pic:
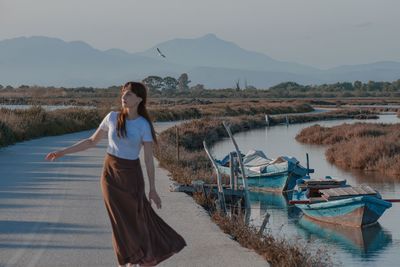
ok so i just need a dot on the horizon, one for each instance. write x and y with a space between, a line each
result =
322 35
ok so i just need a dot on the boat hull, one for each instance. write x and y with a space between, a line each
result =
278 178
274 183
356 211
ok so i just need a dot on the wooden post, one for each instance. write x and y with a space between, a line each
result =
232 167
267 119
236 174
244 179
264 223
221 197
308 164
177 142
287 120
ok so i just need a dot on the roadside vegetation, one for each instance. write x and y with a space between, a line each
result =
364 146
193 164
21 125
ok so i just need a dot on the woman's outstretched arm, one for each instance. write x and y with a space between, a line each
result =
80 146
149 161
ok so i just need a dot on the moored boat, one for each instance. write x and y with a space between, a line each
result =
333 201
267 174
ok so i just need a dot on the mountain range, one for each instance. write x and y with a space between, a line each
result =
207 60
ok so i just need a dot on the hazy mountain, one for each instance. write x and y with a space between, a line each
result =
208 60
50 61
210 51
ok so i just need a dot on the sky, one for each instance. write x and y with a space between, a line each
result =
319 33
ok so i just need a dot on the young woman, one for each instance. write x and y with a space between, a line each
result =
140 236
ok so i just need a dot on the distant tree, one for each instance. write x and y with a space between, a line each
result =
396 84
170 83
286 86
346 86
237 85
1 87
183 82
357 85
154 82
251 88
372 86
198 87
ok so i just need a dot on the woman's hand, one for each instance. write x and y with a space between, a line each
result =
54 155
156 199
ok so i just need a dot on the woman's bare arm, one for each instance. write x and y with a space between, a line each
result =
80 146
149 161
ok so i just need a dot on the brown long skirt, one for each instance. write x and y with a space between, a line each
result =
140 236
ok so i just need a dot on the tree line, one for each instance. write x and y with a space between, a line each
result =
172 87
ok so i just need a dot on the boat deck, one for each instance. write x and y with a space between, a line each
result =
343 192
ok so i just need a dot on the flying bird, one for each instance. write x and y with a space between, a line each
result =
159 52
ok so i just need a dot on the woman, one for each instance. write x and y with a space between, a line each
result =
139 235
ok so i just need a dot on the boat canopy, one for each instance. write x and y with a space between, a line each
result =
256 158
256 163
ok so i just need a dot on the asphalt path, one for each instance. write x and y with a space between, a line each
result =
53 214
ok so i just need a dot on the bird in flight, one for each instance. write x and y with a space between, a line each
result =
159 52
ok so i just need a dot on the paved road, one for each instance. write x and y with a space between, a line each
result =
52 213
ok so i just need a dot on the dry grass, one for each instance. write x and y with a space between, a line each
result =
21 125
277 251
173 111
371 147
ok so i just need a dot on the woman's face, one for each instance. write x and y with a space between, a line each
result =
130 99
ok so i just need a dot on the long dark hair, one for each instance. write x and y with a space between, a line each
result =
140 90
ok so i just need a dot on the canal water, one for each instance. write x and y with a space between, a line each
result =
370 246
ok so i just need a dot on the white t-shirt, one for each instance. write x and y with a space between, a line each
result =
138 130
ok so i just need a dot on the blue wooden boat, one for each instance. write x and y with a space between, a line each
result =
333 201
267 174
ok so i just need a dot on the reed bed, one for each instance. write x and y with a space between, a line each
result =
168 112
369 147
21 125
193 164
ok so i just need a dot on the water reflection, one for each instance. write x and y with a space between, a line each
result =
365 242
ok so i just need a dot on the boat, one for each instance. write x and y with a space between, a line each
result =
333 201
265 174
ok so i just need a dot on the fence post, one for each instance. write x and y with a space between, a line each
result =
177 142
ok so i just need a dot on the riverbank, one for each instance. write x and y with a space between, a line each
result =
21 125
194 110
368 147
